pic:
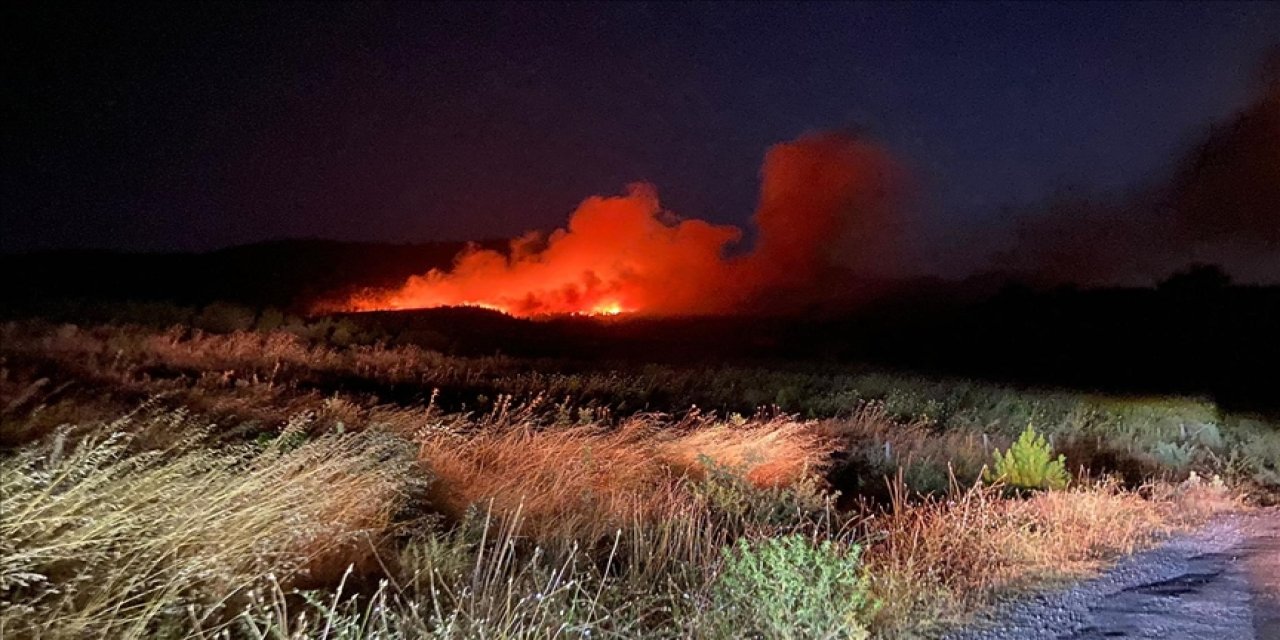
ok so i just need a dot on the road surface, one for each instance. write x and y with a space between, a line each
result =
1221 582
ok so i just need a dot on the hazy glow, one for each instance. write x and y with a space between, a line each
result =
820 196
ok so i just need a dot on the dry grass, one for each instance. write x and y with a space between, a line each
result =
585 481
938 560
107 543
101 542
778 452
928 459
242 355
559 520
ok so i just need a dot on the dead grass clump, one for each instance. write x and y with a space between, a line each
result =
939 559
773 453
585 481
1196 499
560 479
241 349
878 445
100 542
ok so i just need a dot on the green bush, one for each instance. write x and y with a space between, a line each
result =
271 319
926 476
740 506
1174 455
787 587
1029 464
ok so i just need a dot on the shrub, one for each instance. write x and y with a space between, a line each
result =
740 505
1174 455
787 587
271 319
1029 464
221 317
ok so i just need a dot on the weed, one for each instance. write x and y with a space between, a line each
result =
787 587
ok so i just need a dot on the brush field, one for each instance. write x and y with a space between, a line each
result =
289 482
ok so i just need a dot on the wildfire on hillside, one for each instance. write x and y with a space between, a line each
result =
822 197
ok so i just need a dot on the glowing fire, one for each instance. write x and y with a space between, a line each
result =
606 309
627 255
602 309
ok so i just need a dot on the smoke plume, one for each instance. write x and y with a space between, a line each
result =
1221 205
829 202
831 216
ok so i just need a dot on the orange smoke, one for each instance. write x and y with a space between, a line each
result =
821 195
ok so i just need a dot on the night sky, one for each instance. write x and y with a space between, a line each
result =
180 126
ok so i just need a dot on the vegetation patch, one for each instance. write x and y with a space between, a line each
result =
184 484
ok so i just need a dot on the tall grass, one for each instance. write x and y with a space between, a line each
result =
584 482
98 541
240 373
269 487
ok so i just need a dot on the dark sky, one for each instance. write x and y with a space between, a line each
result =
183 126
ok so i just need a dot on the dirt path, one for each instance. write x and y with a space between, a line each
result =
1219 583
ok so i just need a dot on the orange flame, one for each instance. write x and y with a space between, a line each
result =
626 255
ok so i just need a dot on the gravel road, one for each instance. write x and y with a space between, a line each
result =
1221 582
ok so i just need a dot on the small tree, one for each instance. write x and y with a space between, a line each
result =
1029 464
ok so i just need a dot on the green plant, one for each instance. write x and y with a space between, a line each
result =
926 476
788 587
728 495
1029 464
1174 455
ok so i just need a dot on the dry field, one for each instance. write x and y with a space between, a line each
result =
267 485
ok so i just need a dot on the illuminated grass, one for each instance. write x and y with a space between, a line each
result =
249 471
